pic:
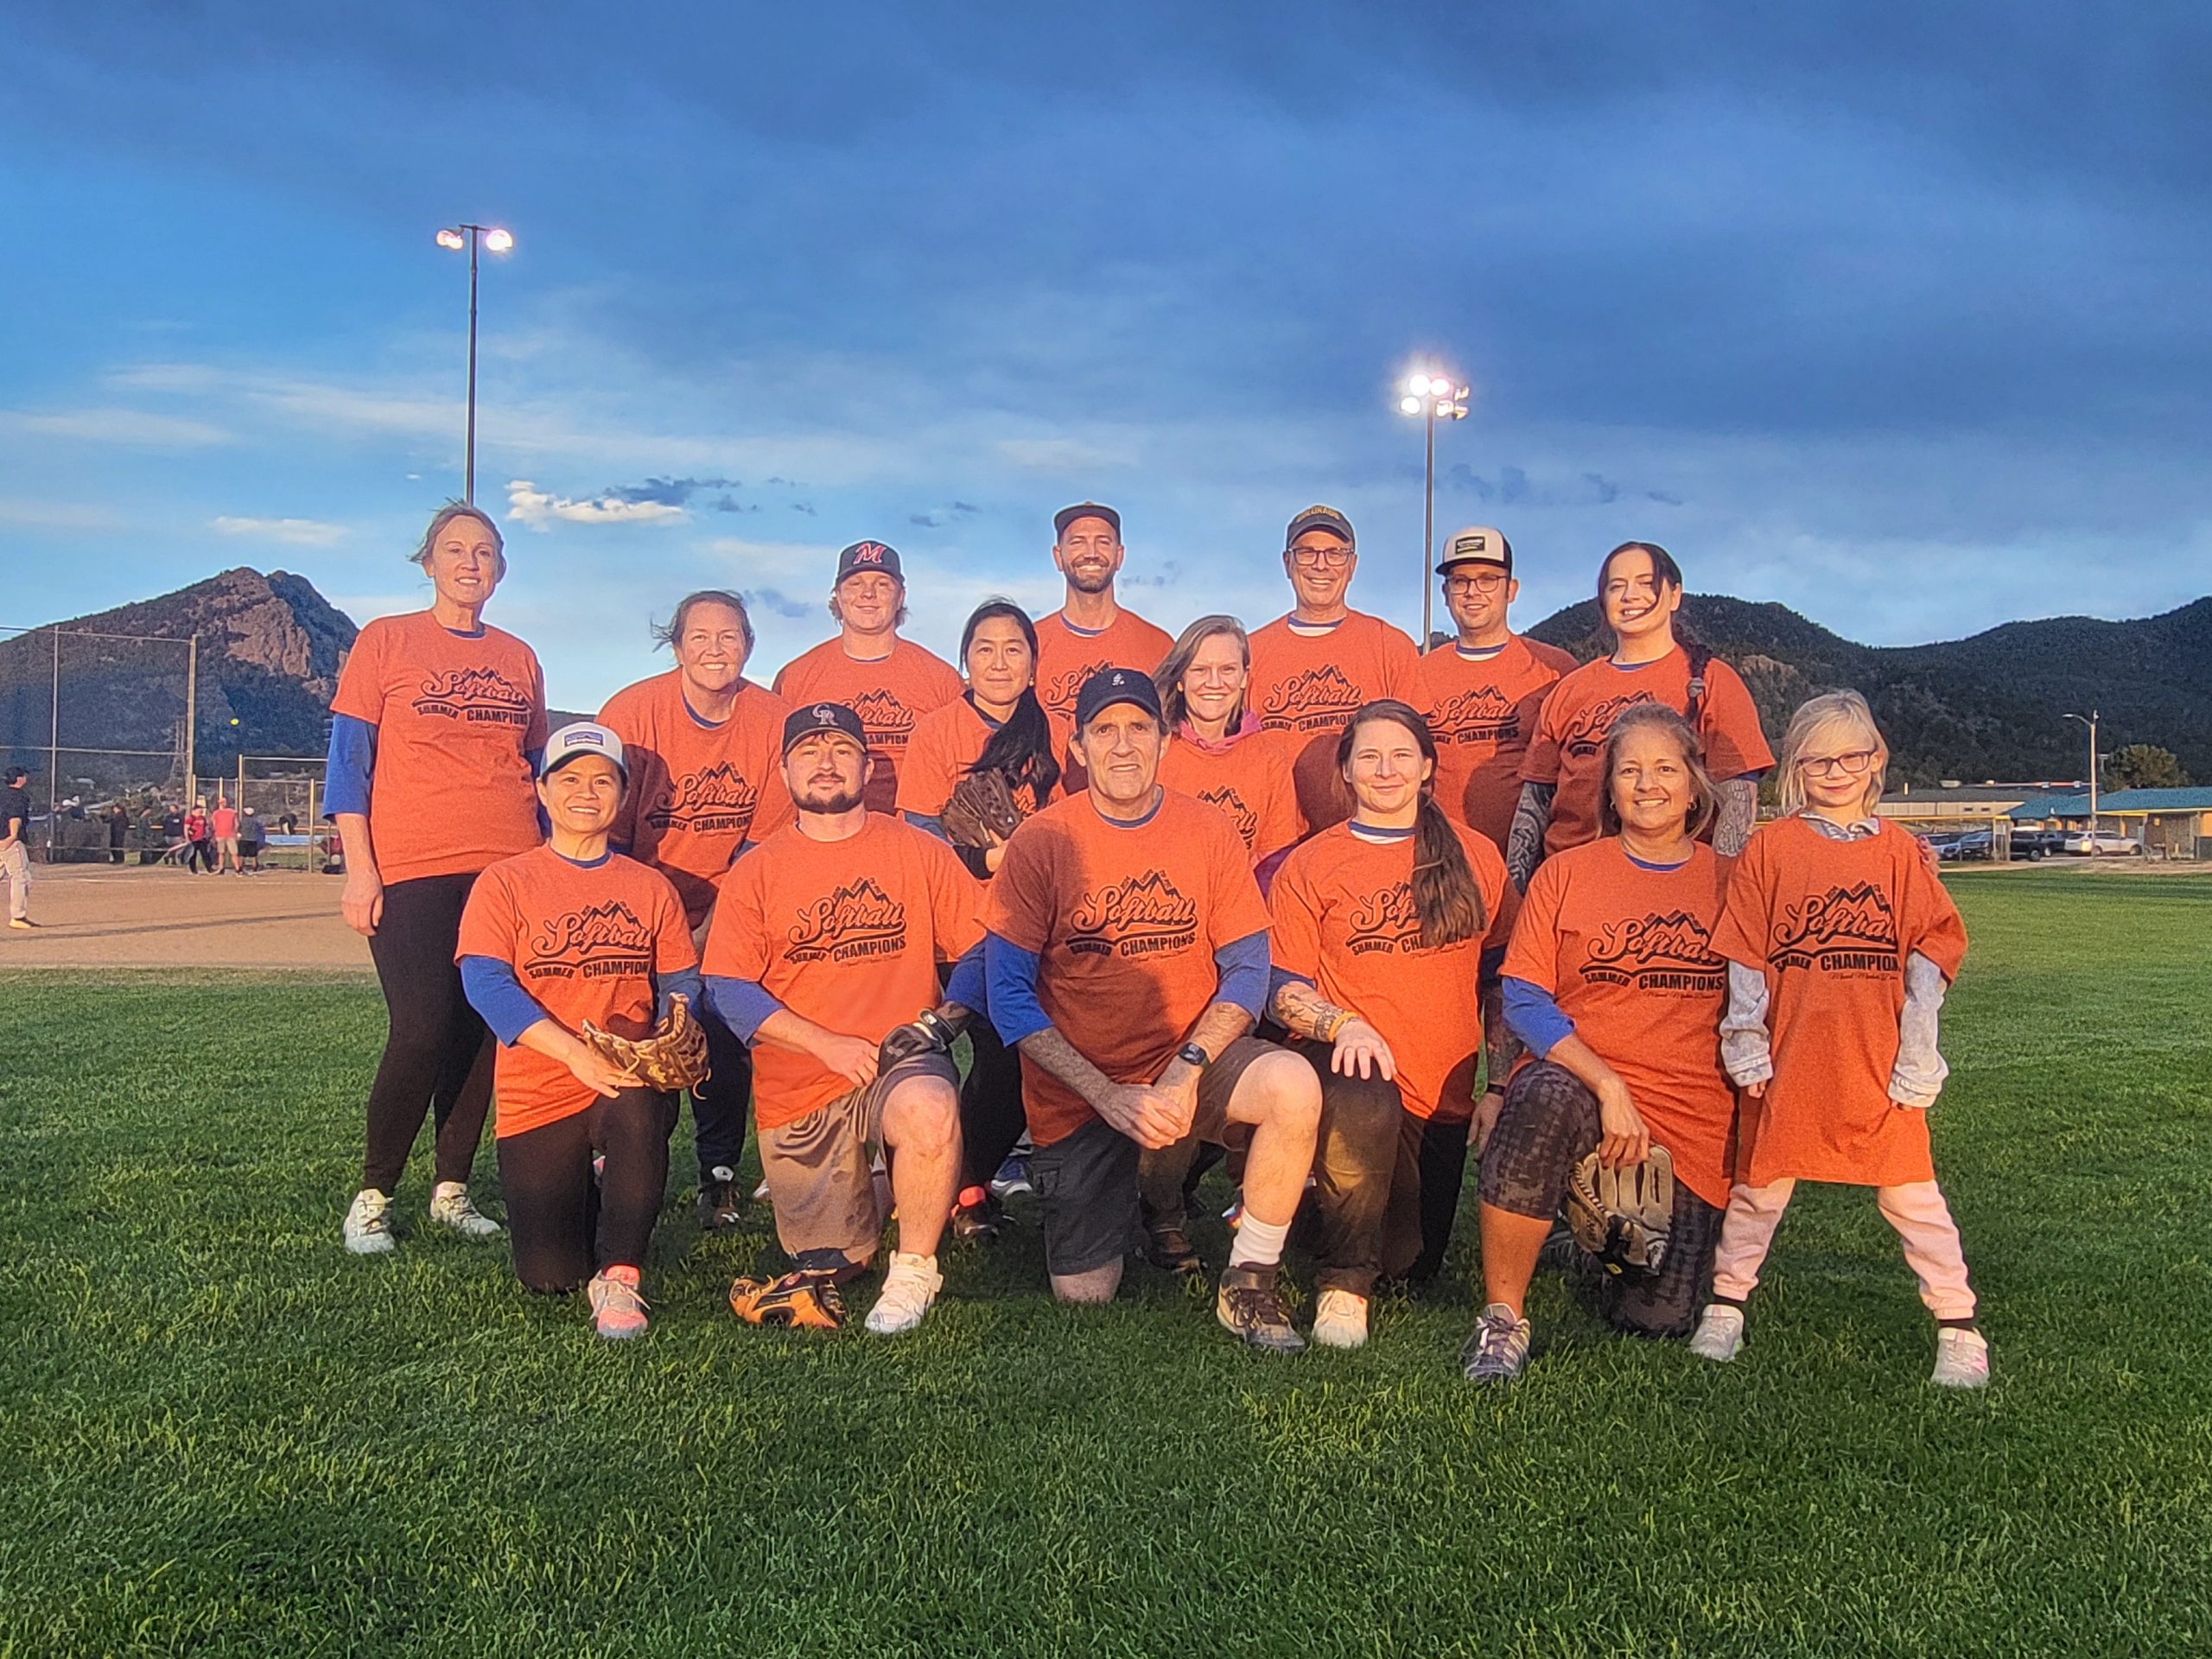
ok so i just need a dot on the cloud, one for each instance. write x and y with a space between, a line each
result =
131 428
669 491
292 532
528 505
779 604
55 515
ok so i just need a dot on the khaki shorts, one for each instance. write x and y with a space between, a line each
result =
821 1169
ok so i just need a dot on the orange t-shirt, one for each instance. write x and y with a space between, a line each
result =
845 933
1344 921
697 791
1627 954
1249 780
1569 749
1067 656
457 716
890 695
947 742
1832 922
586 942
1309 684
1125 920
1483 712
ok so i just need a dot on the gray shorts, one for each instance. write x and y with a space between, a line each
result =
820 1171
1087 1182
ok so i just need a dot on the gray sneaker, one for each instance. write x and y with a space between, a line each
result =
1498 1350
1248 1304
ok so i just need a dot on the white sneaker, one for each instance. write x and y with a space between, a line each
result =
909 1288
450 1207
368 1224
1961 1359
1340 1319
1719 1334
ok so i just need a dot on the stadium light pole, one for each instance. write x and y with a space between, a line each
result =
2090 721
1434 397
457 237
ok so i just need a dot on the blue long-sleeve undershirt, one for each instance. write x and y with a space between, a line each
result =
740 1004
495 992
1534 1015
969 984
352 761
1010 973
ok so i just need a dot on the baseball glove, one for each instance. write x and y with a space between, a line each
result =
1621 1216
981 812
674 1057
927 1033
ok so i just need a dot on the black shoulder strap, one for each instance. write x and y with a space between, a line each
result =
1700 659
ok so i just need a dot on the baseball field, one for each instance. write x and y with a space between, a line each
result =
219 1434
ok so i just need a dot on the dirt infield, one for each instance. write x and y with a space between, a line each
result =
91 917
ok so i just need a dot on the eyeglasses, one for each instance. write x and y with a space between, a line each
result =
1489 584
1853 765
1333 558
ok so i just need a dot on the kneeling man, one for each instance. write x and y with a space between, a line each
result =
1128 957
823 955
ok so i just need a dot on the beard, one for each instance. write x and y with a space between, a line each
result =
1090 581
830 803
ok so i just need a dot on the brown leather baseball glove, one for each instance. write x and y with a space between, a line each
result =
674 1057
981 812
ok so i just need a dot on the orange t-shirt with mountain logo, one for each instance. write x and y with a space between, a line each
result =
846 933
1344 921
890 695
586 942
697 791
1124 920
1067 656
1482 714
457 718
1831 923
1307 685
947 742
1627 953
1569 748
1250 781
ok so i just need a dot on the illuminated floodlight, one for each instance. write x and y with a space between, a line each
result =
452 239
498 241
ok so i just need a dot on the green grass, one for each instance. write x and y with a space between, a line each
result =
220 1434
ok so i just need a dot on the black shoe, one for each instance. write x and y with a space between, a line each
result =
1248 1304
976 1222
721 1200
1170 1248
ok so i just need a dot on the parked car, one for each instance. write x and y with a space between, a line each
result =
1975 843
2102 843
2035 845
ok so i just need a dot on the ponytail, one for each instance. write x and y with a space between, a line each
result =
1447 898
1022 748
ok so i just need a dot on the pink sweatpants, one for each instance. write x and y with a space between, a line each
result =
1916 1209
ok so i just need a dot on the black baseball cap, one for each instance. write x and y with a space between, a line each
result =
1067 516
1326 518
809 718
1477 544
1111 685
869 555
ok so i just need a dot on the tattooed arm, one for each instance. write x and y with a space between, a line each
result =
1740 815
1524 845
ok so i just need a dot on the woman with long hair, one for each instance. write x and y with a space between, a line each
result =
434 735
1217 751
1613 985
996 725
1383 928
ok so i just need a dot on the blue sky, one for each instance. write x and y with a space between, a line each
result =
1893 313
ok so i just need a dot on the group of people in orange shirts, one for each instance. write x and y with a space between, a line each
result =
1306 897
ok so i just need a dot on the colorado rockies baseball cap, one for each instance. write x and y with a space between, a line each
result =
1111 685
1477 544
869 555
1317 518
1067 516
809 718
585 737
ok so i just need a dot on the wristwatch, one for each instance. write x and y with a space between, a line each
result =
1191 1054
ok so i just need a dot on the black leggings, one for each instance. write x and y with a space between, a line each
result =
991 1116
718 1104
1548 1124
1386 1185
565 1224
437 1054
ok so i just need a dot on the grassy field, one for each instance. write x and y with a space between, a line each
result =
220 1434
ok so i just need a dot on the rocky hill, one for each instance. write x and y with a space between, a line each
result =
270 647
1988 707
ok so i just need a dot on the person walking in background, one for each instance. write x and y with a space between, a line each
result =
889 682
251 838
119 830
16 846
223 825
435 736
199 840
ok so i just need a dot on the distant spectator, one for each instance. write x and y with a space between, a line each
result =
198 839
224 821
252 835
288 822
16 846
118 832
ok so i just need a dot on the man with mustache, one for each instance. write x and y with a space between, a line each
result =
1312 668
1127 958
825 941
1090 631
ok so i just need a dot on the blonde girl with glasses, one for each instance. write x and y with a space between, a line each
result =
1840 945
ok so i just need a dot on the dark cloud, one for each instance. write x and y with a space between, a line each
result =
731 504
767 599
670 491
1511 486
926 520
806 507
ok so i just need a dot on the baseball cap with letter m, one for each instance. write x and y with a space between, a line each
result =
869 555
